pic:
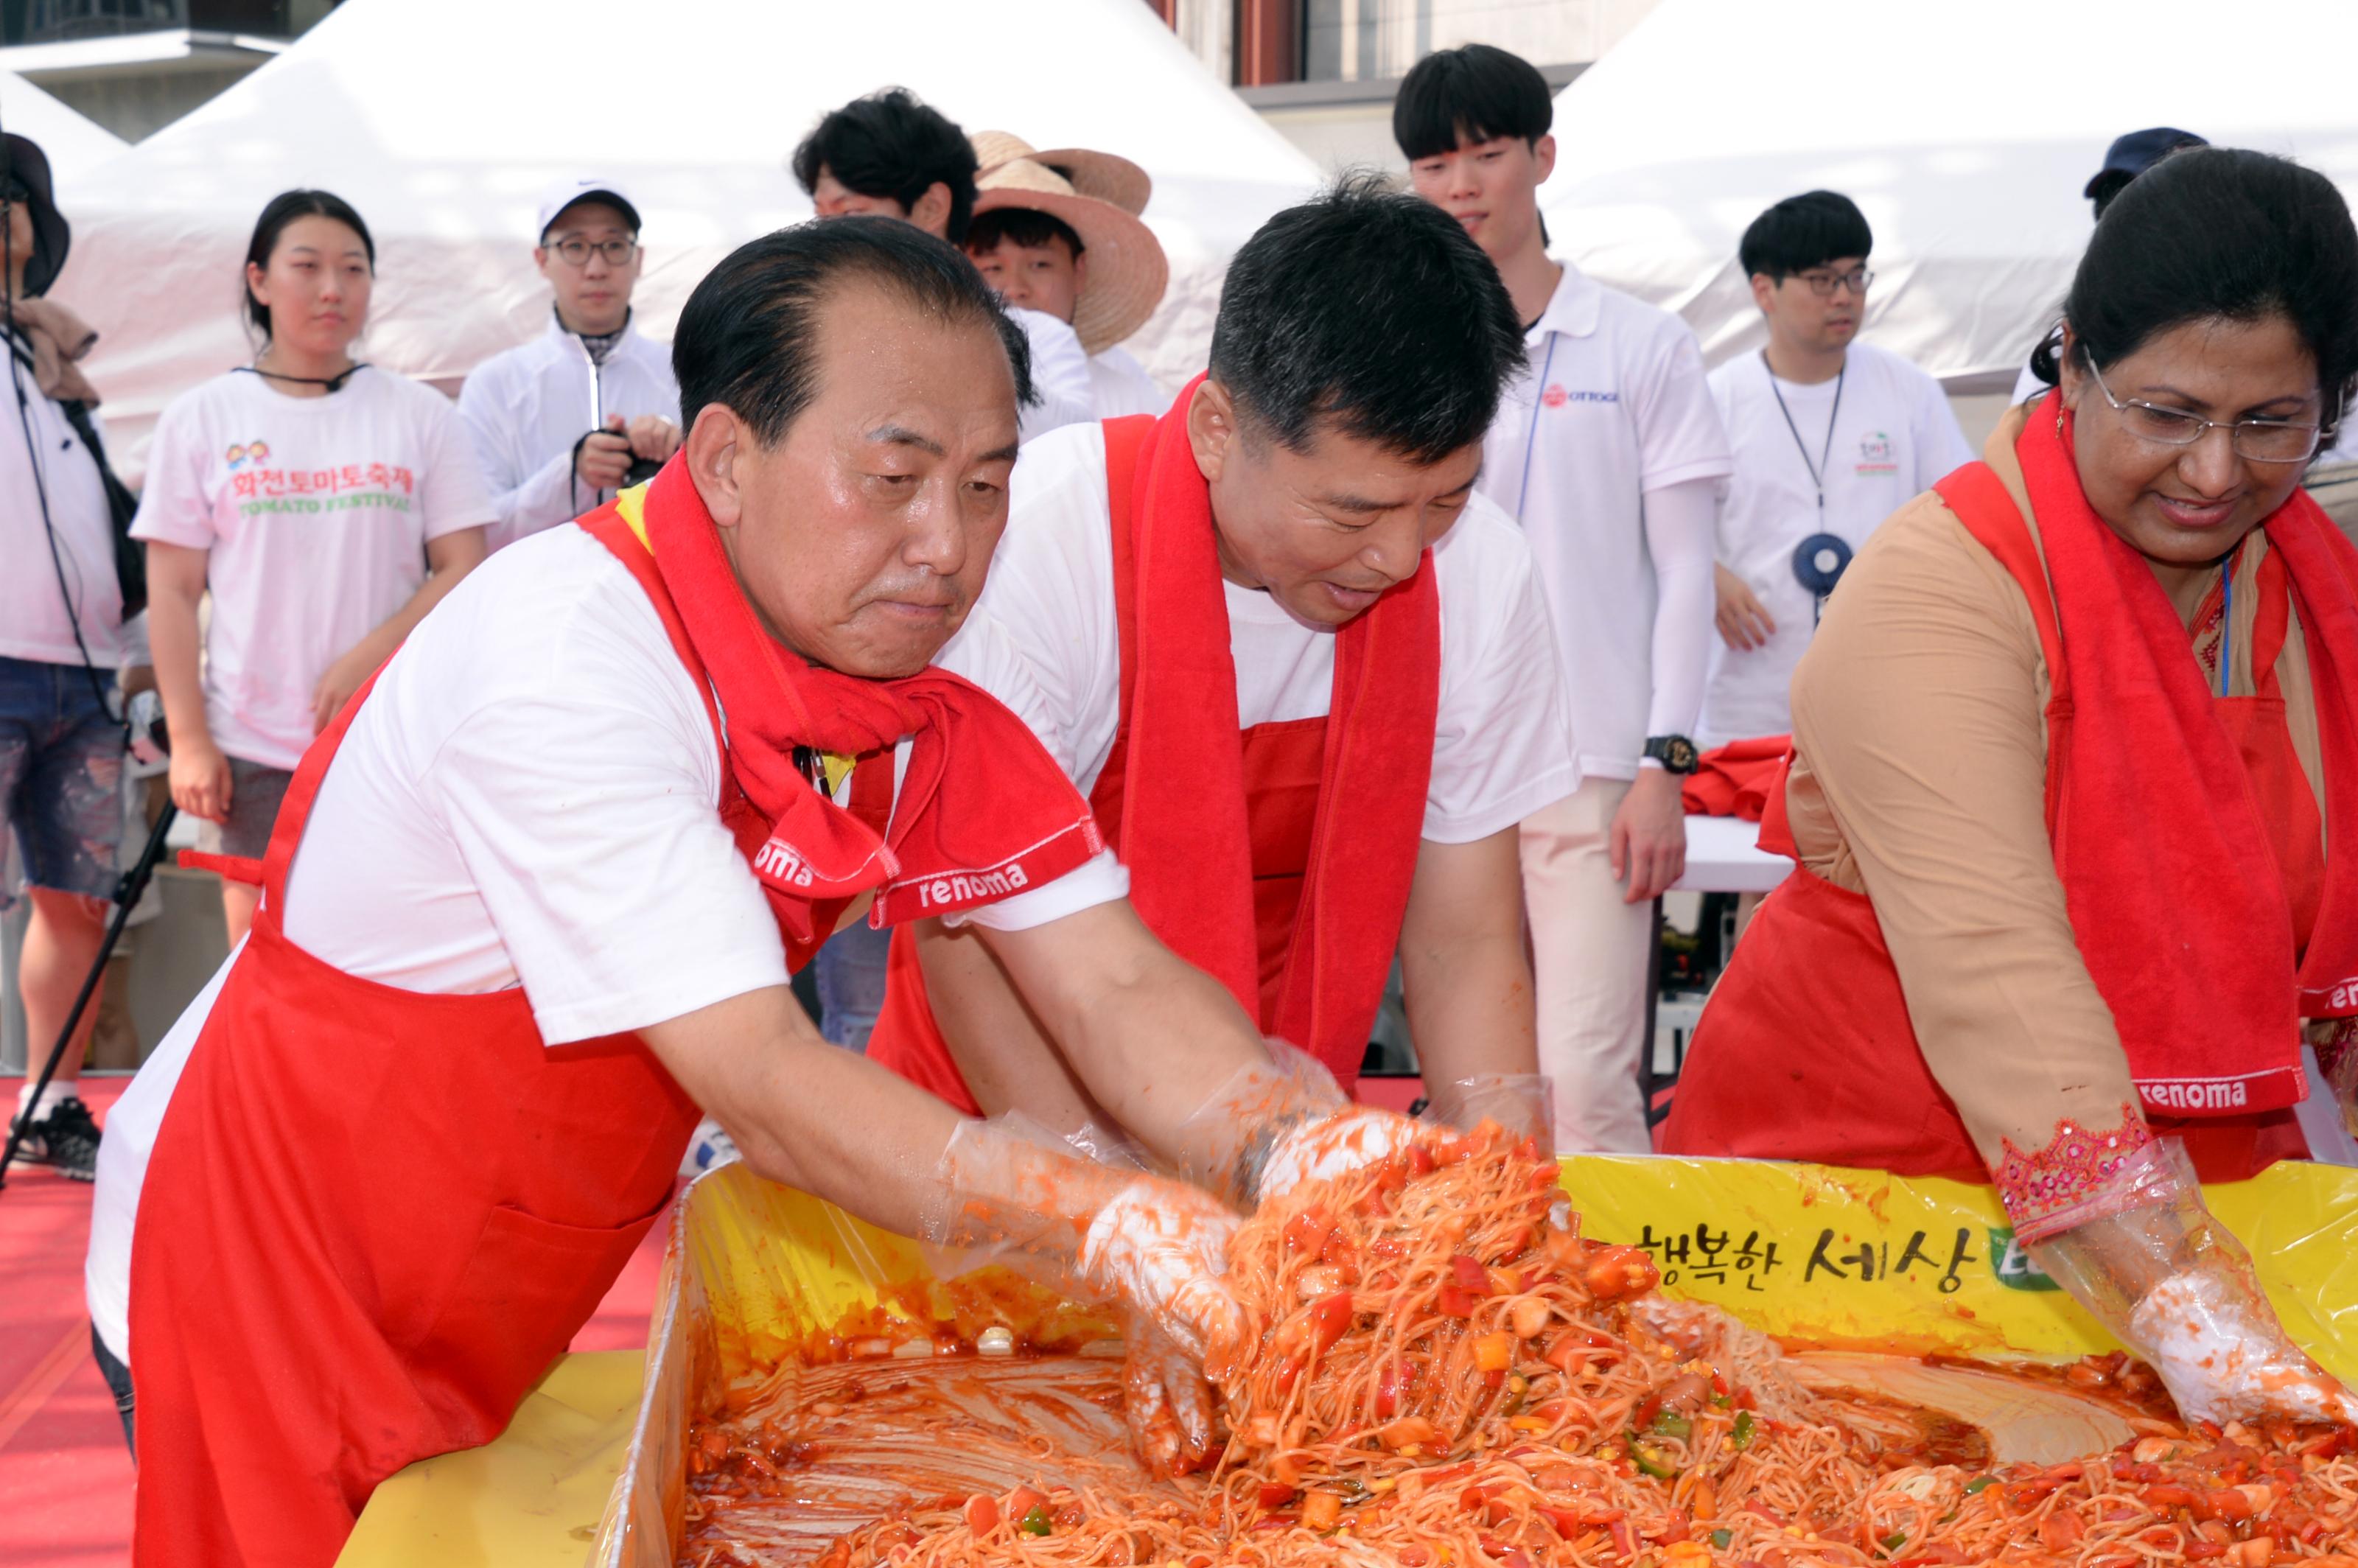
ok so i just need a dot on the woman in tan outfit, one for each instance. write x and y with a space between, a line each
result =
2074 781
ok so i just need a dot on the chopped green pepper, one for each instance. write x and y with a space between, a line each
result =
1036 1521
1653 1462
1723 1400
1980 1484
1720 1538
1895 1540
1670 1423
1740 1435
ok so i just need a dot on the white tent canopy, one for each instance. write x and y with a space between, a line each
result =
441 121
1964 131
75 144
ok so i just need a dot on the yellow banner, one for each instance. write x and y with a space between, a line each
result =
1920 1264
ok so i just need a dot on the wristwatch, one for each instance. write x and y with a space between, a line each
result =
1675 752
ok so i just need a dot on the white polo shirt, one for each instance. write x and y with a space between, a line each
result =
1613 404
1500 749
525 408
1890 437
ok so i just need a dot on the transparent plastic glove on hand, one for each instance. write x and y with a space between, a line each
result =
1167 1402
1522 1103
1161 1248
2149 1260
1333 1146
2223 1357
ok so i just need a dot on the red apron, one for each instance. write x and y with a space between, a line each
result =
1315 980
408 1205
1807 1051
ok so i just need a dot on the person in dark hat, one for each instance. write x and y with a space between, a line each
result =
66 636
2131 154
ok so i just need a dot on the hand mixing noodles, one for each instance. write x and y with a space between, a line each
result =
1441 1375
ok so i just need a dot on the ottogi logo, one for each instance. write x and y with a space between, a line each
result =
1557 395
781 862
2195 1095
968 886
2012 1266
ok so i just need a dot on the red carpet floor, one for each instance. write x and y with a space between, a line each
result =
65 1478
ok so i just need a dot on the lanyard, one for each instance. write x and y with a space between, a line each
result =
1818 470
1531 440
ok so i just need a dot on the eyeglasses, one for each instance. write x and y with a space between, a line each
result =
1824 284
576 252
2256 441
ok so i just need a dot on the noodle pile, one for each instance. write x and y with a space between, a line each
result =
1441 1373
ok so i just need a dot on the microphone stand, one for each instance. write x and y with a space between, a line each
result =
128 894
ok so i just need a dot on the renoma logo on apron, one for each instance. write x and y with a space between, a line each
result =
781 862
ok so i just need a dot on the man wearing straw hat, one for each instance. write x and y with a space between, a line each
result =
1058 232
1303 672
890 155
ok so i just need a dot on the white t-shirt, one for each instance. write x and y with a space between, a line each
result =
1060 375
316 513
1501 749
530 796
525 408
1892 437
35 620
1613 404
1122 386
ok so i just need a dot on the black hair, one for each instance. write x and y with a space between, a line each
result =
1473 94
2218 233
2106 187
748 337
893 145
283 209
1024 225
1802 232
1371 308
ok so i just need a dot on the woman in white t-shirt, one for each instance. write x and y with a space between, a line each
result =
327 505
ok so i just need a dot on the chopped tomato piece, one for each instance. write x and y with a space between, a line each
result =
1468 1274
1330 1319
1454 1303
1275 1496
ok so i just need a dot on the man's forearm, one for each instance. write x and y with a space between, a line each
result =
1469 1008
1153 1039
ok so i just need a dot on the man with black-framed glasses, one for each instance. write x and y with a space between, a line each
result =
559 423
1830 436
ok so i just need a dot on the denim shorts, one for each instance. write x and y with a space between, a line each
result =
61 756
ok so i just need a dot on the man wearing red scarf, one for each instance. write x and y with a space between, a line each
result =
534 898
1304 673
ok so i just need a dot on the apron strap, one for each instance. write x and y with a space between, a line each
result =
1978 499
294 810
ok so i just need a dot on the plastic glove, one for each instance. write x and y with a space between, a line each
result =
1156 1249
1522 1103
1279 1123
2149 1260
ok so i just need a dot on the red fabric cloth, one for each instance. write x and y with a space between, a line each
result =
2168 809
1277 858
982 811
1734 780
371 1219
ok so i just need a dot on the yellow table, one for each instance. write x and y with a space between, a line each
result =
529 1498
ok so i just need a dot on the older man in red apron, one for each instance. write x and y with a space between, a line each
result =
569 842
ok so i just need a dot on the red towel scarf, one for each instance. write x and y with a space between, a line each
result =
982 811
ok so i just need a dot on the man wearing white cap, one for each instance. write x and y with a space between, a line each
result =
559 423
1058 232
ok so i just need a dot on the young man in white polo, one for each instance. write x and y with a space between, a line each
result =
1831 435
558 422
1059 232
1608 451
